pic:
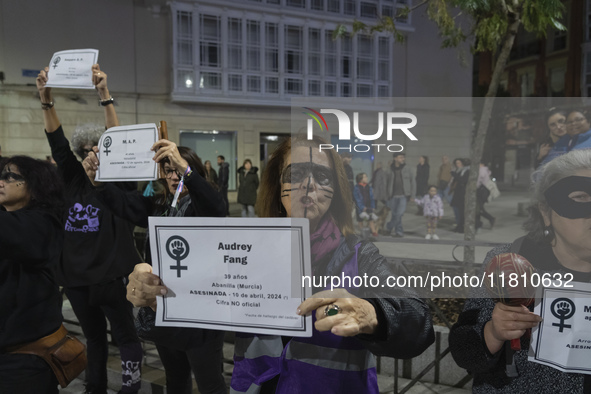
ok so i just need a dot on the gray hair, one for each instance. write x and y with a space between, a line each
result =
561 167
86 134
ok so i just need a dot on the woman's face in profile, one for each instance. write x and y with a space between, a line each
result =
575 234
14 193
576 123
307 184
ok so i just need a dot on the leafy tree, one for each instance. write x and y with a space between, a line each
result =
493 27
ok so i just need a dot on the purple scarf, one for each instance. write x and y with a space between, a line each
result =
324 240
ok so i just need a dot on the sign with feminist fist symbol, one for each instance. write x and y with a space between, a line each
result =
562 309
107 143
501 272
178 249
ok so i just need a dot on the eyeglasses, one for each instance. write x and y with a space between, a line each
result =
168 173
10 177
577 120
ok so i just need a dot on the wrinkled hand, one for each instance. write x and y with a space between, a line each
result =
99 79
44 92
91 164
168 149
356 316
507 323
144 286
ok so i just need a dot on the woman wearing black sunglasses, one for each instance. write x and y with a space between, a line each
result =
31 238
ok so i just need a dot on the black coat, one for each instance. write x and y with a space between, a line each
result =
249 183
31 241
422 179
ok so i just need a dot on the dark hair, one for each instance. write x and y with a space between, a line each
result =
396 154
359 177
222 157
247 161
553 111
194 162
269 204
426 159
42 181
582 111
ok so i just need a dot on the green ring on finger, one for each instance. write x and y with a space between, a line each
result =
332 310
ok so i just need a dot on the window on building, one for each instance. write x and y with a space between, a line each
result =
272 47
350 7
314 88
293 86
333 6
330 54
185 39
557 81
346 58
235 44
365 59
330 89
210 41
527 84
253 83
253 45
314 51
368 10
296 3
235 82
272 85
293 49
274 57
317 5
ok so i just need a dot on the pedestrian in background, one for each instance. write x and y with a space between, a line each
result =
247 191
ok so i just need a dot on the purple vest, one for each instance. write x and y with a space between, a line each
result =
324 363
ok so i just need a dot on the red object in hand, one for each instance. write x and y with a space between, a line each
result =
499 272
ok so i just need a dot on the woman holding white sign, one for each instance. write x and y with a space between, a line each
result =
186 193
559 248
351 324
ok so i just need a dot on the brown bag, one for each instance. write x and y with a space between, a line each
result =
64 353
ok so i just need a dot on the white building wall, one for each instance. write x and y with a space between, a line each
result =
135 45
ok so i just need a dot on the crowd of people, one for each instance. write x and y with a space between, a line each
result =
59 227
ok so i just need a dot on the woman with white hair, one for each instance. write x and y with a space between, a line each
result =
558 241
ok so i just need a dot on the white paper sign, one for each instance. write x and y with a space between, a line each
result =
125 155
72 69
232 274
563 339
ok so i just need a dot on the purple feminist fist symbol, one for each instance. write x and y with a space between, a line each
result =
178 249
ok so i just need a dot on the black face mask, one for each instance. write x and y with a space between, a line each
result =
558 198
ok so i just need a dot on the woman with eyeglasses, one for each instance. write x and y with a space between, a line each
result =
578 135
31 239
186 193
351 324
